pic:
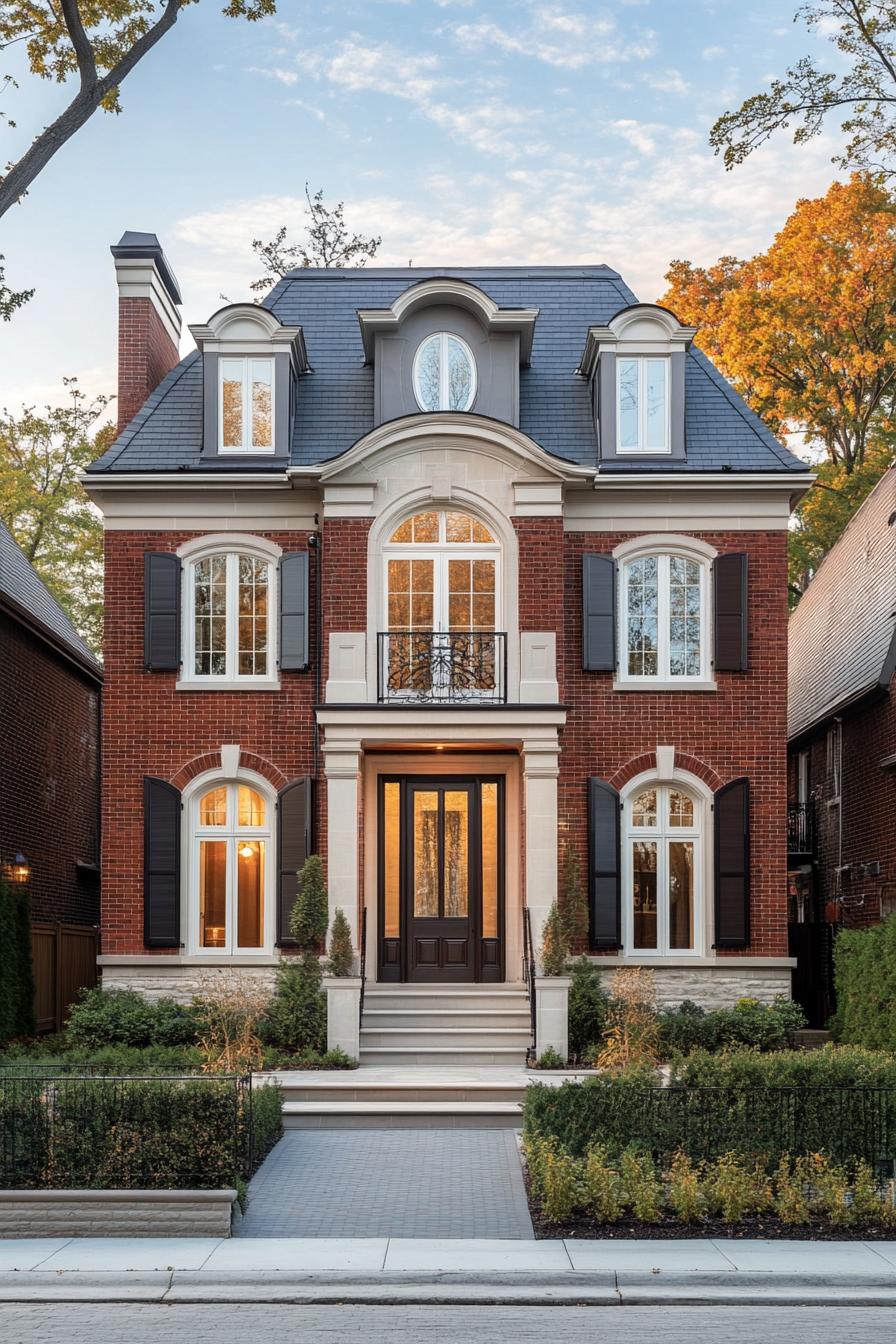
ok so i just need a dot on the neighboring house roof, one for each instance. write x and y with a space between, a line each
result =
26 597
842 636
335 402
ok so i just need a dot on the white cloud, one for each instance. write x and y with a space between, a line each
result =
670 81
558 38
712 53
288 77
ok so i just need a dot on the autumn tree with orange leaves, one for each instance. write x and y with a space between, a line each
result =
806 332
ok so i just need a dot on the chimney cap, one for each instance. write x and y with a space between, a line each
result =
138 245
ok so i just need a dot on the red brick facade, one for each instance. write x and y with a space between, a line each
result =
146 353
50 781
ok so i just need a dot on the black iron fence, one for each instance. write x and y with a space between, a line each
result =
442 667
59 1129
801 828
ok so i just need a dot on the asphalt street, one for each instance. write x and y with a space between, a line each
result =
112 1323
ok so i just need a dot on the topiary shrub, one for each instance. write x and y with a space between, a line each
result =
573 902
16 974
342 954
865 979
310 914
123 1017
554 947
588 1004
296 1016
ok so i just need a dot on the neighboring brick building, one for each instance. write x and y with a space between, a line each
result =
842 742
50 687
435 573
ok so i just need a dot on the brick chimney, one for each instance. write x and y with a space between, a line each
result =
148 320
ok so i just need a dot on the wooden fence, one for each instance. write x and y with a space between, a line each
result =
64 961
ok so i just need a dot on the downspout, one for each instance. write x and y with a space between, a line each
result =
315 543
839 723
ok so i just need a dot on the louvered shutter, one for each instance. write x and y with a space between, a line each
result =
161 863
732 864
598 613
603 864
294 611
294 841
729 574
161 611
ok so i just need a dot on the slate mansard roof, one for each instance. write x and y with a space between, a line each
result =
335 400
842 636
28 599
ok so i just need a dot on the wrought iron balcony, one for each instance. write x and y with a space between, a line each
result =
801 829
442 667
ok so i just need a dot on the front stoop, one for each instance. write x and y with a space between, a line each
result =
445 1025
405 1098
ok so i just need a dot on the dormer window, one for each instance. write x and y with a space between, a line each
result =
642 405
444 373
246 405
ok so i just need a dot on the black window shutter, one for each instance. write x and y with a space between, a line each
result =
161 611
732 864
294 611
161 863
598 613
293 848
603 864
729 574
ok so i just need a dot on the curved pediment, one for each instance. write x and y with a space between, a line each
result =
447 291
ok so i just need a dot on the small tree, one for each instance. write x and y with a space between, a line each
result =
327 244
296 1017
554 947
310 914
572 895
342 954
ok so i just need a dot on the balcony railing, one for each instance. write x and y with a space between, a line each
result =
442 667
801 832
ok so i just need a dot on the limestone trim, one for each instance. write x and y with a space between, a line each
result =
451 291
138 278
665 541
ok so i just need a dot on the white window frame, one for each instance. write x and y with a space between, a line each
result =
444 337
231 833
247 446
663 679
439 552
641 446
698 834
231 679
834 766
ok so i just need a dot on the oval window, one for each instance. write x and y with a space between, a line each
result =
444 374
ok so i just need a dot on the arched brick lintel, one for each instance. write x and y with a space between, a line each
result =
638 765
211 760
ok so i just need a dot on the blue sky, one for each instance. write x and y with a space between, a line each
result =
463 131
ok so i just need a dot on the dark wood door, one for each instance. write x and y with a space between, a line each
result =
442 880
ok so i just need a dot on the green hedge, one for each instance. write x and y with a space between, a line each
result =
865 978
103 1133
16 972
122 1017
762 1106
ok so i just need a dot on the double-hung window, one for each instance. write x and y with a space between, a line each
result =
246 405
230 626
642 405
663 635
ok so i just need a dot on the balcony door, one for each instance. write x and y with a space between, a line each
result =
440 860
441 581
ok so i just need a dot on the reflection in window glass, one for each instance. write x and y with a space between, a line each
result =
460 376
262 404
428 375
627 370
444 374
644 890
230 616
391 858
663 617
681 894
662 893
426 854
210 616
252 602
489 808
643 617
457 854
232 403
655 404
250 808
644 809
213 808
213 893
681 809
250 893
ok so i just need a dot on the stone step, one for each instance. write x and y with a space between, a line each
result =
379 1018
402 1115
354 1087
446 1037
445 998
424 1056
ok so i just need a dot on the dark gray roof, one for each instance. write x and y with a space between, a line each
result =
29 599
335 401
842 637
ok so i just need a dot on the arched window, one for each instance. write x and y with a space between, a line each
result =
231 835
444 373
229 625
663 619
442 589
663 870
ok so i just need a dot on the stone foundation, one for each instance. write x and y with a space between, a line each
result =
116 1213
719 985
182 982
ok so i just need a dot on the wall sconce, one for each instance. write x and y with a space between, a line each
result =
18 869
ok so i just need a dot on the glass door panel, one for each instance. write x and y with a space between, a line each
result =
456 862
489 860
426 855
250 893
213 893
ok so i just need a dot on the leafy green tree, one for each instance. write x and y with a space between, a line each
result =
43 503
96 42
864 33
10 299
327 243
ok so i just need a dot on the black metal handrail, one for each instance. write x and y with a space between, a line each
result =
529 980
801 828
363 967
442 667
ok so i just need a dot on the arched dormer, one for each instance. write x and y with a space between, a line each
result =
444 345
636 367
250 363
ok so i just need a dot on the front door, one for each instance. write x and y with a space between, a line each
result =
440 876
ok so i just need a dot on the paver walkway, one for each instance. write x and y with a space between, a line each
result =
390 1183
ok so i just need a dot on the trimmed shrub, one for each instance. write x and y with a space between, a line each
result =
865 979
587 1010
16 973
342 954
296 1016
749 1023
310 914
267 1122
550 1059
121 1059
554 947
119 1017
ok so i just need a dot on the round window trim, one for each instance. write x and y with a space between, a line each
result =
443 338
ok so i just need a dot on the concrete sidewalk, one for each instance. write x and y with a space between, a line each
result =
384 1270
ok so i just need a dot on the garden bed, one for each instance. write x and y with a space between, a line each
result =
761 1227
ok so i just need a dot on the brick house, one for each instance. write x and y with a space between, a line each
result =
842 743
435 572
50 688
